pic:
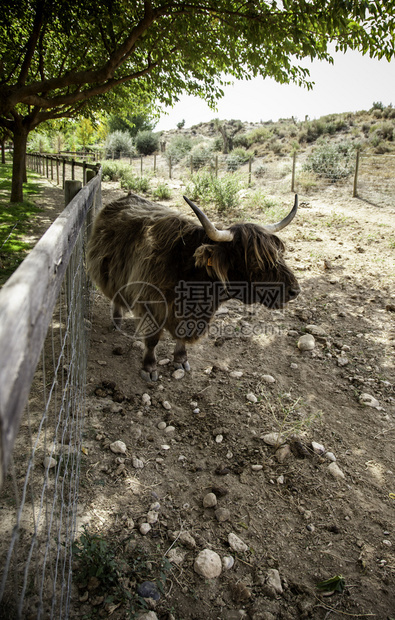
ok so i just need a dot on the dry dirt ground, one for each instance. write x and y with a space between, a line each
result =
301 522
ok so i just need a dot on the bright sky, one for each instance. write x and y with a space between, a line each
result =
353 83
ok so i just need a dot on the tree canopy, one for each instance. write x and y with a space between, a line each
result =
63 59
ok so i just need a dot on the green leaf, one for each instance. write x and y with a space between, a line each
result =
334 584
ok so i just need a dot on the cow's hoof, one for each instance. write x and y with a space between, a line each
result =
149 376
184 366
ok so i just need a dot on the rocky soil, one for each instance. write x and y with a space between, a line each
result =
269 468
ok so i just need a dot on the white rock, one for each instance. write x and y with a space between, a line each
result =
170 429
209 500
166 404
330 456
236 543
164 362
147 615
176 556
273 580
268 379
178 374
343 361
256 467
219 438
306 342
294 366
252 398
335 470
155 506
318 448
208 564
162 425
273 439
137 463
49 462
370 401
118 447
227 562
144 528
236 374
280 479
165 446
152 516
316 330
146 399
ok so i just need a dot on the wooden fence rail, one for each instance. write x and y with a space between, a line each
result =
55 167
27 301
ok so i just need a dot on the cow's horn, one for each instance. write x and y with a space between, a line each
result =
210 230
276 227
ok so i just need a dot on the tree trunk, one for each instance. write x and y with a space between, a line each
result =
19 164
3 151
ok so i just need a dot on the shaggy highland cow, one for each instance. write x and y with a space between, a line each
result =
173 273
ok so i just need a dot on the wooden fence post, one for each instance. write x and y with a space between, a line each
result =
63 172
216 165
249 170
169 167
355 188
71 188
141 166
154 163
293 172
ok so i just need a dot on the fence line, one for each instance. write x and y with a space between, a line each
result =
366 175
44 331
57 167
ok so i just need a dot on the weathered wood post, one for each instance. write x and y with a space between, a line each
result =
154 163
355 188
169 167
293 172
63 172
71 189
57 170
216 165
90 174
249 170
141 166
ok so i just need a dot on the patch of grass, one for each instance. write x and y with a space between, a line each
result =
15 221
223 191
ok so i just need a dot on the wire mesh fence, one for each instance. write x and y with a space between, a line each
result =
47 349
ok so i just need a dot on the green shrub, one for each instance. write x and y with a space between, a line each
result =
259 135
147 142
238 157
162 192
119 142
333 161
114 170
202 155
178 148
223 192
135 183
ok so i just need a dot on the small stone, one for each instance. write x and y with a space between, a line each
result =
144 528
387 543
273 439
330 456
164 362
294 366
166 405
162 425
268 379
236 374
335 470
252 398
146 399
152 517
369 401
209 500
343 361
219 438
236 543
178 374
318 448
208 564
280 479
273 580
187 540
148 589
137 463
227 562
170 429
165 446
256 467
148 615
222 515
316 330
283 453
176 556
49 462
118 447
306 342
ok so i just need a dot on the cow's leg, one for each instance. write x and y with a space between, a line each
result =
117 315
149 371
180 355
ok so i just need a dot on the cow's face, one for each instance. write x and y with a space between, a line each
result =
254 262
